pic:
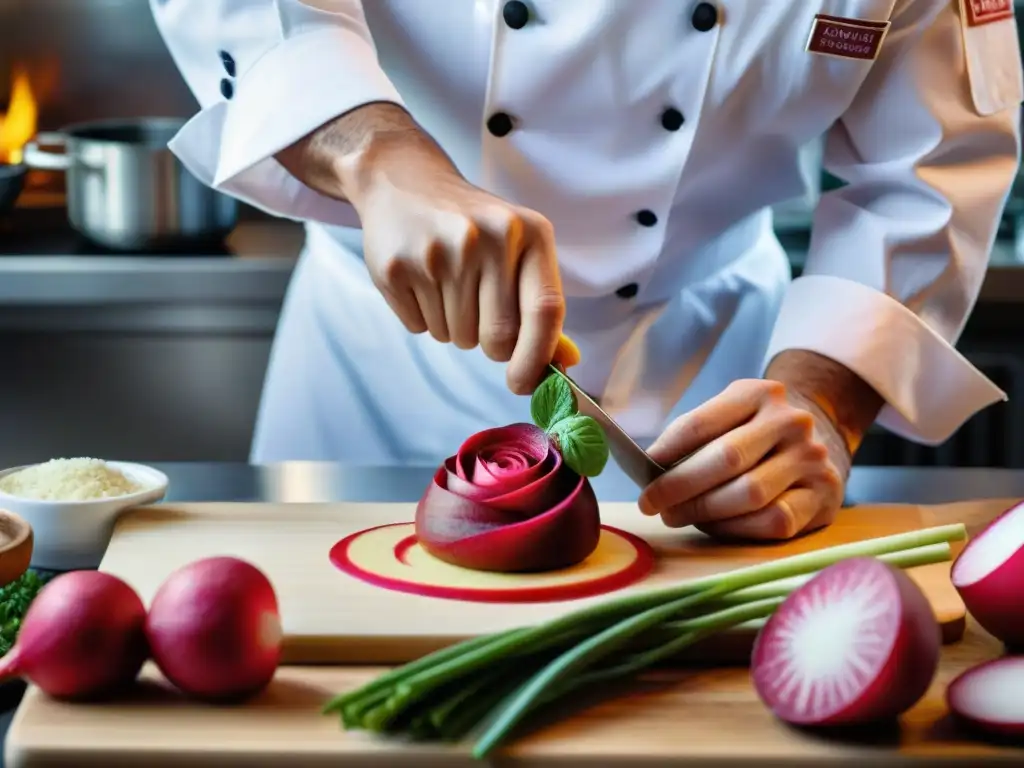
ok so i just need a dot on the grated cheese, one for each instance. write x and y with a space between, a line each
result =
69 480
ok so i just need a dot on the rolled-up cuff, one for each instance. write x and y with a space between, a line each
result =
930 389
297 86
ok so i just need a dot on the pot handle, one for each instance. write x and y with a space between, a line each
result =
44 160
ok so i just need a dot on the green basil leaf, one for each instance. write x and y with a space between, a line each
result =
552 401
583 444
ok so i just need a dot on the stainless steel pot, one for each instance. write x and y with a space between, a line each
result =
126 191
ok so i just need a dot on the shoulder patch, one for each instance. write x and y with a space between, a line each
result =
977 13
993 55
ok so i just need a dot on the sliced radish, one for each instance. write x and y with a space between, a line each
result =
857 643
989 575
991 696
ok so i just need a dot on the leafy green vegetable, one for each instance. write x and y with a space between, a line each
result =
552 401
15 599
581 440
495 681
582 443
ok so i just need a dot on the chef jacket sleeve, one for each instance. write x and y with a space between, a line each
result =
929 150
297 65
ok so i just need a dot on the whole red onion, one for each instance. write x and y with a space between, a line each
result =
507 502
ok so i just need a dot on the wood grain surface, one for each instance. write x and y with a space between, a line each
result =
330 617
700 717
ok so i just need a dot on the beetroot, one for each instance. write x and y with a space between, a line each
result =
82 638
214 629
988 697
507 502
989 575
858 643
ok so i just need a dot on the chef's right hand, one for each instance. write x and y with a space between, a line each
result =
450 258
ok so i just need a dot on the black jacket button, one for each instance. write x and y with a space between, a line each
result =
227 90
672 119
646 218
499 124
704 18
229 63
628 291
516 14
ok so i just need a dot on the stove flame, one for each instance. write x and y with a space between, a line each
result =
18 124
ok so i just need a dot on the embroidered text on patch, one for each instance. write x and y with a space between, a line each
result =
980 12
847 38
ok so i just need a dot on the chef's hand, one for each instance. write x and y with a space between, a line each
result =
462 264
449 258
767 463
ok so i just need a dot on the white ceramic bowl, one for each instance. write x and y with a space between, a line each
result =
72 535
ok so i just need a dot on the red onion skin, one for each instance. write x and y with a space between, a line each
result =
83 638
525 511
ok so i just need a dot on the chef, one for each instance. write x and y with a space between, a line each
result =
477 176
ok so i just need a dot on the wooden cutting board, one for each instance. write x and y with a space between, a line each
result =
330 617
698 718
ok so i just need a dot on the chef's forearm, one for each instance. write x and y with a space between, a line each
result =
339 158
848 401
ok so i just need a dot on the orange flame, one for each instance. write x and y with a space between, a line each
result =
18 125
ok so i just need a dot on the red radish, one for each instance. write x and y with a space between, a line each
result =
989 696
214 629
989 575
83 637
858 643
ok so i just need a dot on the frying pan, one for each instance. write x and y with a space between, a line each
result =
12 179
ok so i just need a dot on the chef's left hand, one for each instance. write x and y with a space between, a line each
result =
767 464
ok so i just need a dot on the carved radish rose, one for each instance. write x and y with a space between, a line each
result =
507 501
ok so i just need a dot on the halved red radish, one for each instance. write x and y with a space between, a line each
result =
989 575
857 643
989 696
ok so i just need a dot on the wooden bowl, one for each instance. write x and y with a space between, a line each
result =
16 542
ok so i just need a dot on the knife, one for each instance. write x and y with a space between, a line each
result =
633 460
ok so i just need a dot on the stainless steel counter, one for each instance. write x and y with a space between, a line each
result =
104 280
254 271
58 284
302 482
156 358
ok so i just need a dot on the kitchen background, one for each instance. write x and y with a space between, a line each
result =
160 357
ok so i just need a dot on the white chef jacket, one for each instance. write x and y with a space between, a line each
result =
654 134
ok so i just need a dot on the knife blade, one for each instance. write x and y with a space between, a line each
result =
631 458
